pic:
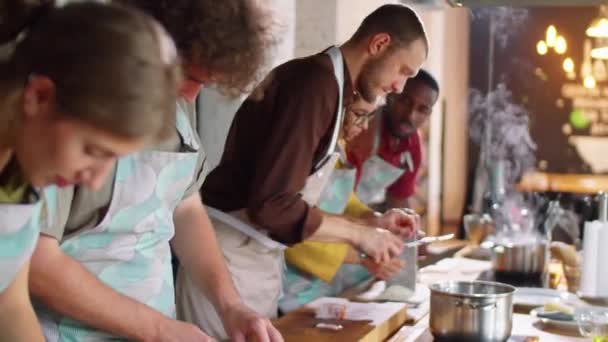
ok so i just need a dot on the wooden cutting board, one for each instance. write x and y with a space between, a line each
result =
299 326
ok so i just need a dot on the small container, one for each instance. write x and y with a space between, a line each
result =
408 275
331 311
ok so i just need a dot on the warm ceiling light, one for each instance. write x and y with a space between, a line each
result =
560 45
598 28
589 82
541 47
600 53
551 35
568 65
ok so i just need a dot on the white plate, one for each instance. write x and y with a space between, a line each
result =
530 296
570 325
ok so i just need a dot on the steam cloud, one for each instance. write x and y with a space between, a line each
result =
509 130
506 21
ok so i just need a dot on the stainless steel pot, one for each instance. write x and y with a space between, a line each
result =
522 258
471 311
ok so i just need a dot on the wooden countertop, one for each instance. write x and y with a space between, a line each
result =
299 326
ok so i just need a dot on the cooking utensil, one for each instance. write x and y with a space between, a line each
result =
521 257
557 320
471 311
429 239
555 316
423 241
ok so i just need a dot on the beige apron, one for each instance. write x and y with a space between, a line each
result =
254 260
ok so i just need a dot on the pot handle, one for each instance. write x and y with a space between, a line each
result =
475 306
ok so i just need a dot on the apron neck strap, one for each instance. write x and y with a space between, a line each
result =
338 64
182 123
378 133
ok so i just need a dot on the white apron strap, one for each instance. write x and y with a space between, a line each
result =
245 228
315 183
378 133
338 65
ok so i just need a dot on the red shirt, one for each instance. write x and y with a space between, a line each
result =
393 151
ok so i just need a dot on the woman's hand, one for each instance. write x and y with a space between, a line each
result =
384 270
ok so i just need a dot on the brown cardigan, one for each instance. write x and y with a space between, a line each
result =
276 137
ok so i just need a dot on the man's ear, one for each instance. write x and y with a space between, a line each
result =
378 43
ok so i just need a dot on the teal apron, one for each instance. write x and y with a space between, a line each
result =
377 174
19 231
129 249
301 288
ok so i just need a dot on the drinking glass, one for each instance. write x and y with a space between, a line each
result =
593 323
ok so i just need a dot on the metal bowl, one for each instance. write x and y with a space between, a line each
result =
524 258
471 311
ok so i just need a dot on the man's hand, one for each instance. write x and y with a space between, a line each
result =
242 324
384 270
194 232
175 331
402 222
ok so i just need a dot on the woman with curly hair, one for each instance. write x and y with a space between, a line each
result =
222 42
108 253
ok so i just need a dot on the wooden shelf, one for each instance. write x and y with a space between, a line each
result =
570 183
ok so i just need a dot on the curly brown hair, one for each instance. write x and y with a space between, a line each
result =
230 39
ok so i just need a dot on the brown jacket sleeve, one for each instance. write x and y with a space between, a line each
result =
303 111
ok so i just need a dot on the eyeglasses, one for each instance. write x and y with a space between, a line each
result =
361 117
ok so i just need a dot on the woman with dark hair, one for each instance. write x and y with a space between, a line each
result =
75 94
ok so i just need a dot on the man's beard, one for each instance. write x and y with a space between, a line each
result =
394 128
367 84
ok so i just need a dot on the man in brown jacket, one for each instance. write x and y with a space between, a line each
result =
279 150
